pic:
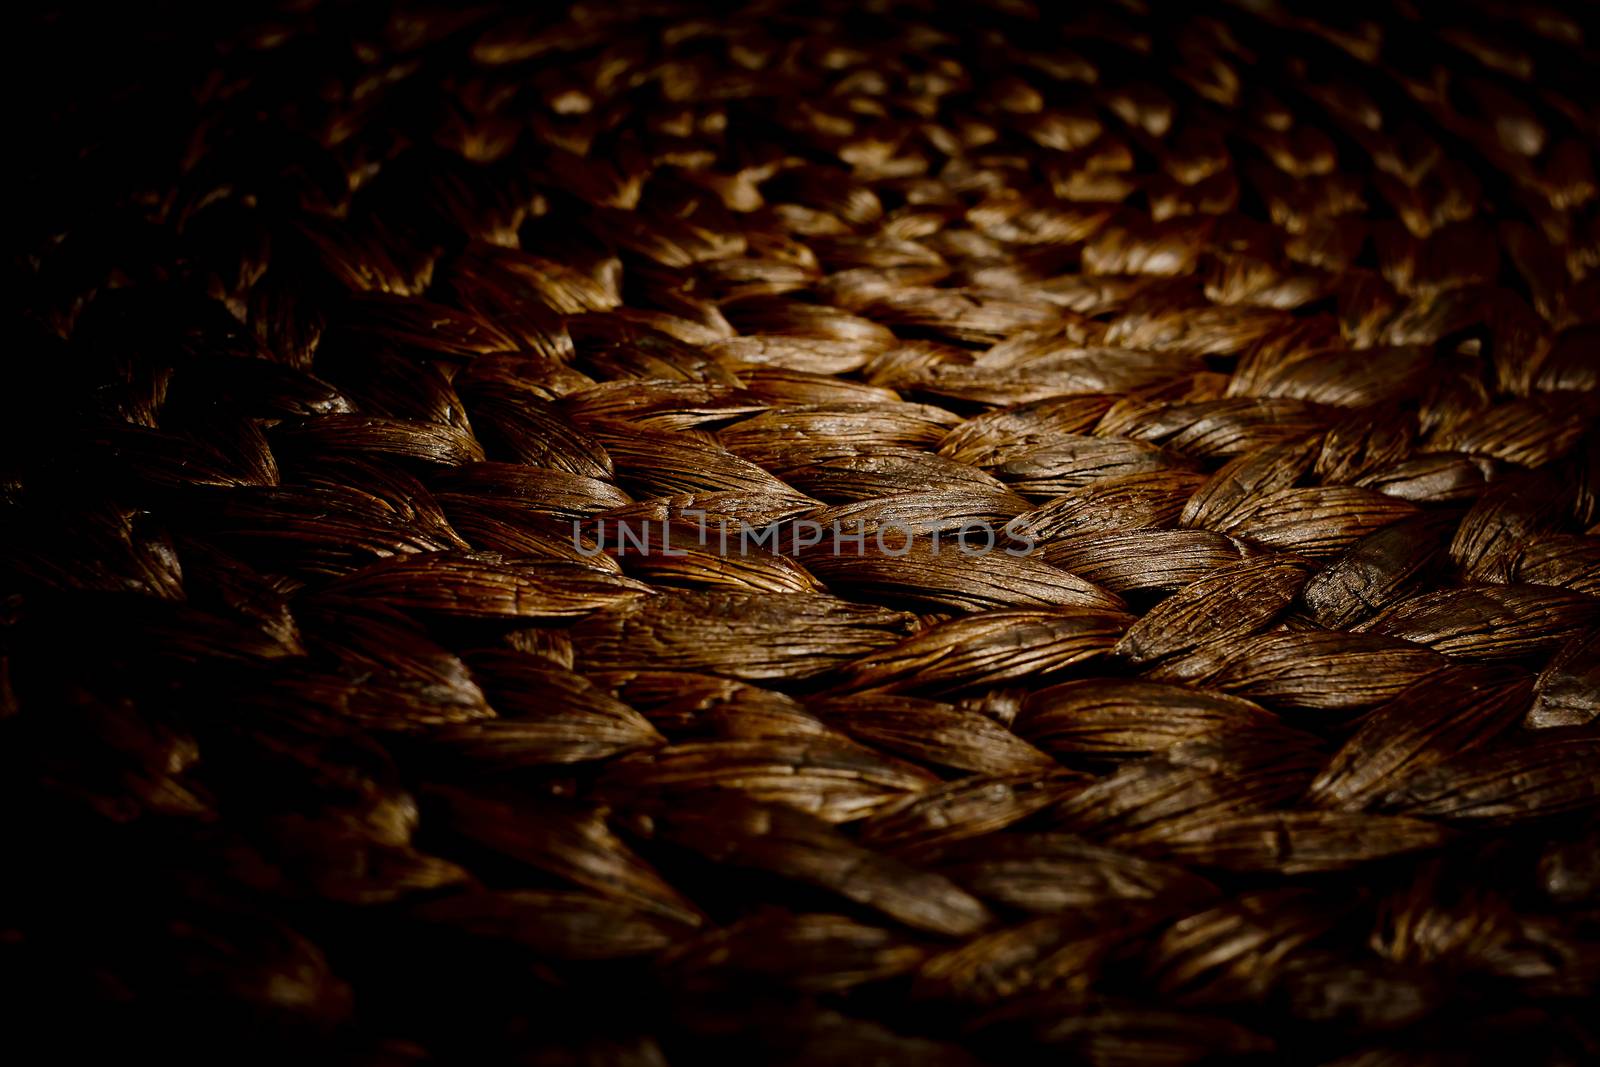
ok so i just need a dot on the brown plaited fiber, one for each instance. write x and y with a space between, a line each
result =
1255 347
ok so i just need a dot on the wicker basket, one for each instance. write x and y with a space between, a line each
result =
806 533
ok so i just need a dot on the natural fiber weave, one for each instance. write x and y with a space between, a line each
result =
1266 730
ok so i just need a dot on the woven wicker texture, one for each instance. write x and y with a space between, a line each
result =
1266 347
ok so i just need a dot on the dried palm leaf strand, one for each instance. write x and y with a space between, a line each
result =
958 576
932 732
1309 669
1146 560
837 783
797 847
1488 622
810 953
1234 601
741 635
489 586
986 649
1120 717
974 806
1453 712
1539 779
1568 689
